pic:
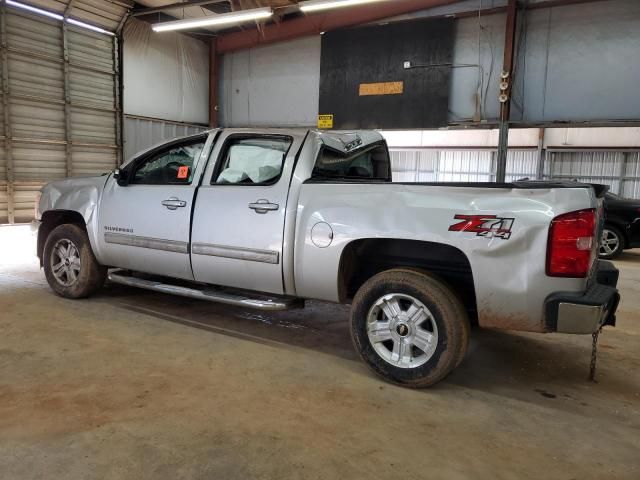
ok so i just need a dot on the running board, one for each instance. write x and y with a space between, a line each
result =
258 302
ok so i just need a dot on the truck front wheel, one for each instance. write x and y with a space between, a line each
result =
71 269
409 327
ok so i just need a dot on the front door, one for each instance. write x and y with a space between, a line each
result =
239 216
144 225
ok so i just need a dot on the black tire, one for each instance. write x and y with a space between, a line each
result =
89 274
611 232
447 313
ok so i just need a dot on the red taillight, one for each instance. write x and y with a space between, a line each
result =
570 251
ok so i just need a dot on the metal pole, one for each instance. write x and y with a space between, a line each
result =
214 75
501 161
506 83
542 153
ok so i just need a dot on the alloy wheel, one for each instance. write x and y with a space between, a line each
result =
609 242
402 330
65 262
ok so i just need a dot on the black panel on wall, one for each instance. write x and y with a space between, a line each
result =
363 82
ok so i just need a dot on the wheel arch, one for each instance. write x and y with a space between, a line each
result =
52 219
622 229
363 258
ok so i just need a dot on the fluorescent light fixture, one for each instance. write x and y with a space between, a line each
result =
315 5
222 19
34 10
57 16
88 27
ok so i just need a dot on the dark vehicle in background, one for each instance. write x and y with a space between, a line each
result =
621 226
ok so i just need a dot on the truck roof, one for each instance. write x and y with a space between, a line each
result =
341 140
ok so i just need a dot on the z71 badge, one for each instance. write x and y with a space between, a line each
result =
484 225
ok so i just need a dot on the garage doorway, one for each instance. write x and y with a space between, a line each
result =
59 108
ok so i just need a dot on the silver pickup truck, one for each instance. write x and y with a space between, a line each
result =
266 218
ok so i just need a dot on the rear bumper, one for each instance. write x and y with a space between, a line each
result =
585 312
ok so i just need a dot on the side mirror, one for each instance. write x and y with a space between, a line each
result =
121 177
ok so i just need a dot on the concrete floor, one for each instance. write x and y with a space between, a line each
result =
134 385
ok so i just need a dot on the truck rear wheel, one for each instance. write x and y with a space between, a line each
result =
71 269
409 327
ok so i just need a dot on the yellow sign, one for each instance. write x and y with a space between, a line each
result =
325 121
385 88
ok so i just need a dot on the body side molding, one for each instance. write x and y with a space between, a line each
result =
238 253
147 242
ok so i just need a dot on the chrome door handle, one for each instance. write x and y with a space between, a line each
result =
263 206
173 203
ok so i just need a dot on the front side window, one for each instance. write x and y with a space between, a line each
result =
371 163
252 160
174 166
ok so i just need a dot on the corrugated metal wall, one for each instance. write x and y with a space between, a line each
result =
141 133
59 106
618 169
106 14
630 182
431 165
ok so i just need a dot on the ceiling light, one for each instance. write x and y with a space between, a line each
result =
315 5
57 16
89 27
34 10
213 20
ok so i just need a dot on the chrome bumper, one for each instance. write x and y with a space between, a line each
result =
585 312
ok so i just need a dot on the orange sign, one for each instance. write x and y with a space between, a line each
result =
183 172
384 88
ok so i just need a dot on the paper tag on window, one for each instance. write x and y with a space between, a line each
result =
183 172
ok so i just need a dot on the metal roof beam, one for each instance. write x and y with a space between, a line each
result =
173 6
321 22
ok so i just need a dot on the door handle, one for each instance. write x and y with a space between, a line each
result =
173 203
263 206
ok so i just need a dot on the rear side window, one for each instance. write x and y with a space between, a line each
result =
370 163
252 160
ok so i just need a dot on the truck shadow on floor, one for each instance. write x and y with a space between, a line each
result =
552 370
631 256
531 367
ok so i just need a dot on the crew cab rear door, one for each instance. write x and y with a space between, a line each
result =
145 224
239 215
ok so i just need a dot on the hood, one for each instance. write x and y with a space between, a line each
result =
79 194
622 202
74 182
